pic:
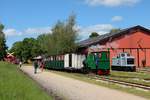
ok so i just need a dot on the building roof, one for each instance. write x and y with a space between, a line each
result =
95 40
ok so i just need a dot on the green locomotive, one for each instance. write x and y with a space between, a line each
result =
98 62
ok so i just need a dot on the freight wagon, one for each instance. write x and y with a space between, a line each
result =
65 62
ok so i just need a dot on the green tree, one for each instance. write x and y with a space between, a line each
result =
62 38
26 49
42 39
93 34
45 43
17 49
3 46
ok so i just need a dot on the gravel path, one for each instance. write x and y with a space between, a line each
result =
72 89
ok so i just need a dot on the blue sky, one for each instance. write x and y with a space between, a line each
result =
29 18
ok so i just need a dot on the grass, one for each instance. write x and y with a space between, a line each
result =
134 77
90 79
14 85
140 75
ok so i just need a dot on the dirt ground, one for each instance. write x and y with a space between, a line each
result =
72 89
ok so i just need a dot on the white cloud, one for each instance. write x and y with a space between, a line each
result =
84 32
117 18
111 3
38 30
99 28
12 32
29 31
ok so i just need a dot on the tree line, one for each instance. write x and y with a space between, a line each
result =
61 39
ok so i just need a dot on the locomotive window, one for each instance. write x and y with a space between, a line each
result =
122 55
130 61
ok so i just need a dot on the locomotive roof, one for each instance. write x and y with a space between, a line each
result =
106 37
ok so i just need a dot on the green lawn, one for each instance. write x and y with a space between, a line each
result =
14 85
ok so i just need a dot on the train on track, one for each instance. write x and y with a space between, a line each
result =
97 62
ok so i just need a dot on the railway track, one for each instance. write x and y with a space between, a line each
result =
136 85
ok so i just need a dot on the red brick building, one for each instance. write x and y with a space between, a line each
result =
134 40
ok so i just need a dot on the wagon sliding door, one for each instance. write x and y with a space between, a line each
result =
66 60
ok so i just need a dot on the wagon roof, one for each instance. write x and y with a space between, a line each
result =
95 40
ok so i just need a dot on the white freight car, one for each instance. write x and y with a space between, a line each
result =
73 61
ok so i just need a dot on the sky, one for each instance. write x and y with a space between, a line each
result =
30 18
